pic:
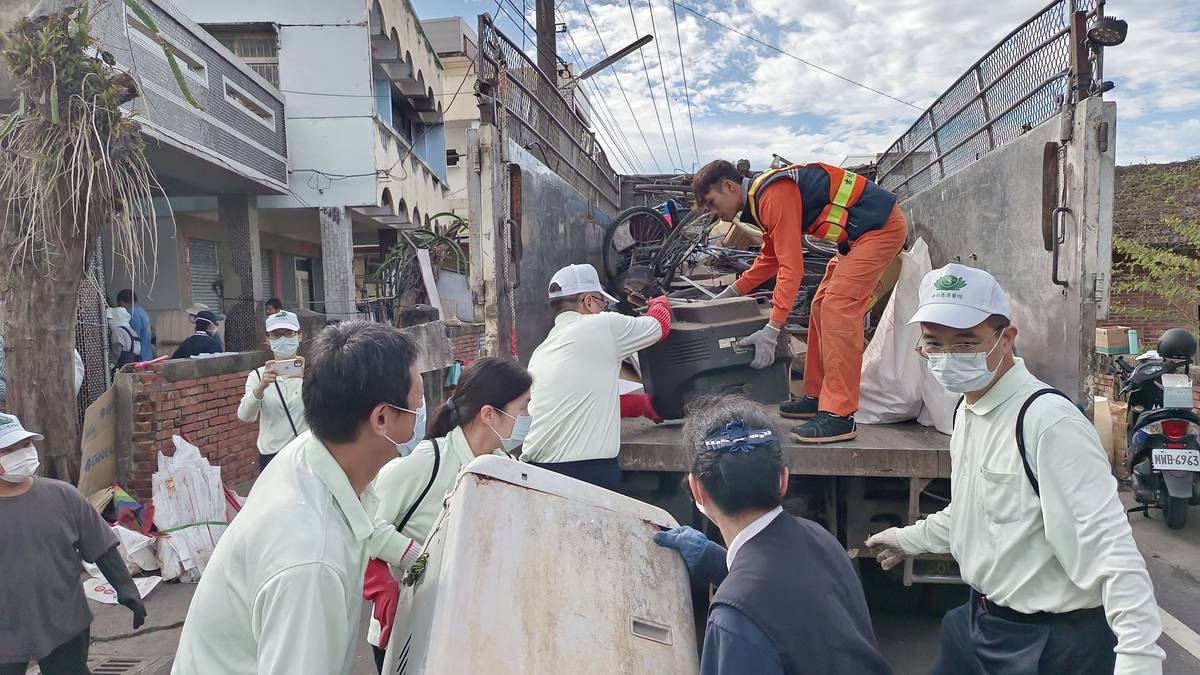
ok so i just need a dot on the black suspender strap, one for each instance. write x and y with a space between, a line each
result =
437 461
1021 434
282 400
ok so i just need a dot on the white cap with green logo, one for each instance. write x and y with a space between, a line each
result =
12 433
960 297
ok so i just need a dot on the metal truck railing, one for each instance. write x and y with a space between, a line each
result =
1021 82
537 116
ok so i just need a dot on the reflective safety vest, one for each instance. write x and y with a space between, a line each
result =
839 205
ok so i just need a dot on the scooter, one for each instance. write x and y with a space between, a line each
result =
1162 452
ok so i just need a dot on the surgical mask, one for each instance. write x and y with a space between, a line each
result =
20 464
285 346
962 373
418 433
700 508
519 431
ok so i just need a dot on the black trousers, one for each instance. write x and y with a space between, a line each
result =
605 473
69 658
973 641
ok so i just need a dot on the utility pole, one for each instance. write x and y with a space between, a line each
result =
547 47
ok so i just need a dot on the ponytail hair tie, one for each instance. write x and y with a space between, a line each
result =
453 408
450 403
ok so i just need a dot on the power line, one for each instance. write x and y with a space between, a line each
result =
623 93
631 156
686 96
810 64
666 88
653 101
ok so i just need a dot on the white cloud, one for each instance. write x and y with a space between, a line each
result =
1162 141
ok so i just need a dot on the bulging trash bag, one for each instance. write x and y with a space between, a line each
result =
190 508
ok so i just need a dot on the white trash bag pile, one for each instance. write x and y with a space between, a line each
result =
189 507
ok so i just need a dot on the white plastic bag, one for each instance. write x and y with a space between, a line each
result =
139 552
892 374
97 588
189 506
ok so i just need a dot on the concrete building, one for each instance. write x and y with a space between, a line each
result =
230 151
457 45
366 140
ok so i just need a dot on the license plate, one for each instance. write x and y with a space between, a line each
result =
1176 459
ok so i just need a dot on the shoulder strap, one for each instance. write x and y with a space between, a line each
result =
437 461
1033 481
285 409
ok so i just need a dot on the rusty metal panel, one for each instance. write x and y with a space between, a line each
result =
481 606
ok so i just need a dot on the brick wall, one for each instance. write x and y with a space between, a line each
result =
1153 315
195 399
466 343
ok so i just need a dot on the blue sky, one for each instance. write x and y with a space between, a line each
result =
749 101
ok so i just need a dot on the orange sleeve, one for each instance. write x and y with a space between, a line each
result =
780 210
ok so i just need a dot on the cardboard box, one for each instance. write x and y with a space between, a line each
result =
1112 340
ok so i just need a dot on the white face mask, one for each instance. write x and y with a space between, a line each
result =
285 346
520 429
418 433
20 464
962 373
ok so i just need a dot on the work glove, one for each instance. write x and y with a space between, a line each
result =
639 405
764 342
112 566
730 291
690 542
886 547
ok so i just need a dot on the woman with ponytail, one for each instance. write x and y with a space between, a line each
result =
488 414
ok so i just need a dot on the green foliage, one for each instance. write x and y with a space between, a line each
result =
173 62
1173 275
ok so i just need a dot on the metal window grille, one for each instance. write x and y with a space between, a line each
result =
1020 83
538 117
257 49
205 270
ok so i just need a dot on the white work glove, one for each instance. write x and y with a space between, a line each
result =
886 547
764 342
730 291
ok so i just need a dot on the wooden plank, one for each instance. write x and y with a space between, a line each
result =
880 450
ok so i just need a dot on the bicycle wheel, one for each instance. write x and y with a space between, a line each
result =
819 247
629 235
683 240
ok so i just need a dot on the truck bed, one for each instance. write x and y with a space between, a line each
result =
899 450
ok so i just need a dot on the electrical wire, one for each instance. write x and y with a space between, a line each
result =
628 157
686 96
653 100
604 100
806 62
616 76
666 87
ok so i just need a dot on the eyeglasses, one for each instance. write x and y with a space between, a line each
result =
962 350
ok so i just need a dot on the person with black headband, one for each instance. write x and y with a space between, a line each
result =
788 600
488 414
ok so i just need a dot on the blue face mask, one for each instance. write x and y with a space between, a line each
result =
520 430
418 433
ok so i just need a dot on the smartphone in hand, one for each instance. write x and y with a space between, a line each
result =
289 367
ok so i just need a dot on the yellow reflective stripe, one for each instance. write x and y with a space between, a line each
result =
846 189
837 215
752 191
834 233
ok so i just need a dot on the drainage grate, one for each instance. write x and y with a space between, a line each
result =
117 665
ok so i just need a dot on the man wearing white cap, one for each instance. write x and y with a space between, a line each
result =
46 528
575 406
274 393
1058 585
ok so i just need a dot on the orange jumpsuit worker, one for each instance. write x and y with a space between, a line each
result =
832 204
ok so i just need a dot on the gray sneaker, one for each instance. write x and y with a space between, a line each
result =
799 409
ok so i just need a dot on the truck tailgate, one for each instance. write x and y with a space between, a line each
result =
907 449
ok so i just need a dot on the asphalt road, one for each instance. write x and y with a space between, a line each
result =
908 634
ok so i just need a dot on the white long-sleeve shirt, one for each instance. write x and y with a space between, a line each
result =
283 590
576 404
274 429
1072 548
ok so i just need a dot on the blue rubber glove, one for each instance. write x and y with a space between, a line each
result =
690 542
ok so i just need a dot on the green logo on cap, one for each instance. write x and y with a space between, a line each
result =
6 420
950 282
